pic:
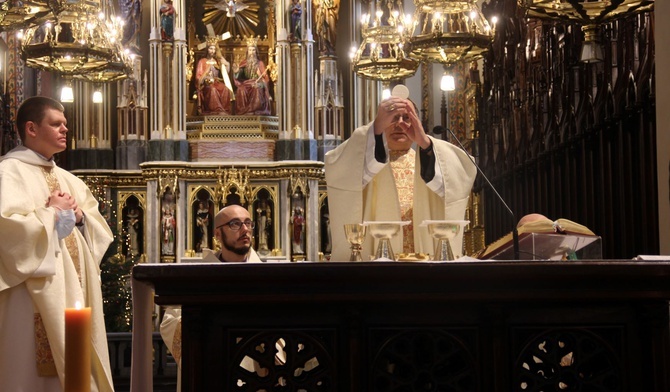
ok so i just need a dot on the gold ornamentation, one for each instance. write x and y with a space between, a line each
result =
212 40
251 41
20 15
297 181
70 240
190 65
91 44
46 367
382 55
233 181
237 17
402 163
452 31
169 179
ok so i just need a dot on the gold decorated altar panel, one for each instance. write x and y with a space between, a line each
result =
165 211
458 326
193 192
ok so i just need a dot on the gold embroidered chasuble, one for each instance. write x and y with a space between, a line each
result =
40 277
46 366
352 201
70 240
402 164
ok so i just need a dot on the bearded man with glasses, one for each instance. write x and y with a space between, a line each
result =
233 230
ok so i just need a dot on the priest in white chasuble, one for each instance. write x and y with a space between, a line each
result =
377 175
53 239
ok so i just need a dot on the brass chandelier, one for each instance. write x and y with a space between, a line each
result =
79 39
15 14
382 55
450 31
447 31
119 68
589 13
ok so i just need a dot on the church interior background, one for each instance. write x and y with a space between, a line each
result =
238 101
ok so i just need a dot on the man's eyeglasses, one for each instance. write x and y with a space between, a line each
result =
236 224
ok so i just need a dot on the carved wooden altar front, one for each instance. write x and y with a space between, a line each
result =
378 326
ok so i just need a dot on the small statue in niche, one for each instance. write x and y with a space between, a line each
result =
168 228
264 221
167 13
298 238
168 225
203 219
296 15
133 229
326 15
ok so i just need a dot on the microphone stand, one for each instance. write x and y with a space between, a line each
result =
515 232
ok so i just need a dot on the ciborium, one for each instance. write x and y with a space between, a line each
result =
383 231
443 231
355 234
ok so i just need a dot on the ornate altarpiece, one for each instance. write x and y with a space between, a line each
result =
166 211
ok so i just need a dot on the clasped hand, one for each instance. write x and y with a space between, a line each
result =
65 201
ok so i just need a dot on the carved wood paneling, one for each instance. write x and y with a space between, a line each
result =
569 139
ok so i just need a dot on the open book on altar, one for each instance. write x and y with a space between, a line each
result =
562 239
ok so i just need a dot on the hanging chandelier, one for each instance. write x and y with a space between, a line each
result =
78 39
584 11
450 31
589 13
15 14
382 54
119 68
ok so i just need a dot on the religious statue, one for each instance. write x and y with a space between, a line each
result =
251 80
133 229
132 94
264 219
296 15
213 84
202 219
326 25
167 13
131 13
168 231
298 238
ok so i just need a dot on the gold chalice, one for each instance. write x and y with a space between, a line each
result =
355 234
384 231
443 231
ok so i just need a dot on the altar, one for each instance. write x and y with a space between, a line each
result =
423 326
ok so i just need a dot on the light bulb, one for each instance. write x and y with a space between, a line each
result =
66 94
447 83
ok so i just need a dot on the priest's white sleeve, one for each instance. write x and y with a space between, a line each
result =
437 183
372 166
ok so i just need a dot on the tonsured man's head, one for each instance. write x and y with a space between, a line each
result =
234 228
